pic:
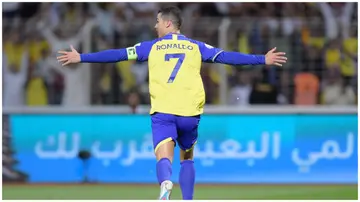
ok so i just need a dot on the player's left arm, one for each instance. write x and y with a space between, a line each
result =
216 55
139 52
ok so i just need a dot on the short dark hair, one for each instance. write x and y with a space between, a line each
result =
172 13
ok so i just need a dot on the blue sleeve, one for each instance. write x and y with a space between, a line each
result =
208 53
139 52
217 55
106 56
142 50
235 58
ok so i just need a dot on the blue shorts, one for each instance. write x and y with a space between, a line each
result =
180 129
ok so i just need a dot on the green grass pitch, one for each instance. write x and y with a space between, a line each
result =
150 192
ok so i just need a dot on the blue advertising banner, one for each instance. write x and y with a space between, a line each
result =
231 148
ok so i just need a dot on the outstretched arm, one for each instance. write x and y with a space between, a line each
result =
216 55
139 52
235 58
106 56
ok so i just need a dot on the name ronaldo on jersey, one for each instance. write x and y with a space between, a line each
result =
174 46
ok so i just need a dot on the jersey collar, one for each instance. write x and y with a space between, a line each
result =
171 33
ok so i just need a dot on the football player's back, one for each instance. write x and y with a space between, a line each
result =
175 82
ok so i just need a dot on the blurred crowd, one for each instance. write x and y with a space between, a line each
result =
320 40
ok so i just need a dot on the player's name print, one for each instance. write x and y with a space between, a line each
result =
174 46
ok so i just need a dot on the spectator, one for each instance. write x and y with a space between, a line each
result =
313 48
333 54
15 68
240 93
105 19
121 24
72 14
134 100
263 92
347 10
349 61
140 72
211 88
77 77
306 88
53 80
145 10
36 91
101 75
105 84
331 26
128 78
285 88
14 81
76 90
335 91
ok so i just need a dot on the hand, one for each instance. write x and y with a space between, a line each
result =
69 57
273 58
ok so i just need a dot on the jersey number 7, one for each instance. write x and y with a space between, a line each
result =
180 57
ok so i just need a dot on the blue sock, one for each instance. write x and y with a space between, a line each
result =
187 179
163 170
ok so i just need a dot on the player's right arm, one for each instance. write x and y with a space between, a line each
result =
139 52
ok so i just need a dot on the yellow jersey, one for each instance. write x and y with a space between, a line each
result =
174 63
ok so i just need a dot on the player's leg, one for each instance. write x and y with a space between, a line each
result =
188 133
187 174
164 155
164 134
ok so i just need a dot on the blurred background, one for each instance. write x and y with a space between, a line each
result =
72 125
